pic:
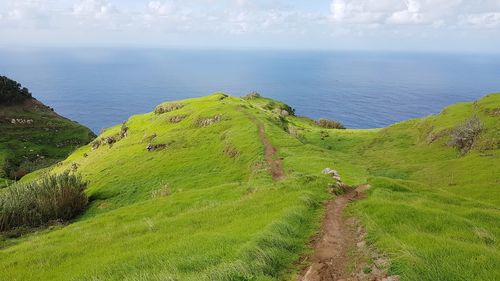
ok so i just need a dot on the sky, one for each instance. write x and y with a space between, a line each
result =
388 25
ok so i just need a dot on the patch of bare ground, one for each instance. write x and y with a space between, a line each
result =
340 252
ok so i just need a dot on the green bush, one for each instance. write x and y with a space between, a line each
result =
329 124
51 198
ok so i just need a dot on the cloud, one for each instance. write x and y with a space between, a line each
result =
484 20
355 12
435 13
410 15
161 8
281 22
94 9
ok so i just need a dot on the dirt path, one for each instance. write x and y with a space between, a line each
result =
270 153
333 248
275 164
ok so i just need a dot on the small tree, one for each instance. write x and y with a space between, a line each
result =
463 136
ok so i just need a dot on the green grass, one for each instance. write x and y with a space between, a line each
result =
225 216
434 211
430 209
28 147
432 234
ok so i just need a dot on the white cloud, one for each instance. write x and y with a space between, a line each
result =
161 8
485 20
284 22
435 13
355 12
97 9
410 15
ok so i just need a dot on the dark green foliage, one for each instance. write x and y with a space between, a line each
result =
463 136
51 198
12 92
329 124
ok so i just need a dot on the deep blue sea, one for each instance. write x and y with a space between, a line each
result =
102 87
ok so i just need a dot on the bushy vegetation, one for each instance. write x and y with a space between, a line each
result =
329 124
463 136
11 92
252 96
50 198
164 108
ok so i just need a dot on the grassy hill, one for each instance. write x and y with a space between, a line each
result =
32 135
227 188
432 208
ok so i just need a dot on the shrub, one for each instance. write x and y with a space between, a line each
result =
176 118
463 136
205 122
252 95
12 92
168 107
164 191
231 151
123 130
51 198
329 124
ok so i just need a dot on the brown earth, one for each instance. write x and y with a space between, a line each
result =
340 252
270 152
275 164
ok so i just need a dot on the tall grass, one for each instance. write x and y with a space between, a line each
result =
52 197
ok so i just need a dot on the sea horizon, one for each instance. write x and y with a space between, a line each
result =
362 89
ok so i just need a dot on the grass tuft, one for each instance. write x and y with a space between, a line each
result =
51 198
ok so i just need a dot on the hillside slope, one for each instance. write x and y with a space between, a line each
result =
32 135
226 188
200 203
432 208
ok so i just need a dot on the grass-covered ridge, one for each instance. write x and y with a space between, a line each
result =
186 193
201 205
32 135
432 208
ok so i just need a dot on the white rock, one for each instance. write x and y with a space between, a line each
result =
327 171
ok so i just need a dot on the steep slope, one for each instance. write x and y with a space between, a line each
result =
32 135
191 192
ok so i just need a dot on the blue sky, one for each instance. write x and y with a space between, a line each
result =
400 25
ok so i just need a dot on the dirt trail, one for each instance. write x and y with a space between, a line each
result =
333 248
270 153
275 164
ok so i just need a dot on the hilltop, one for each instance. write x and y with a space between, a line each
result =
229 188
32 135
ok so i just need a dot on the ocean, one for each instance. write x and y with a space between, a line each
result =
103 87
